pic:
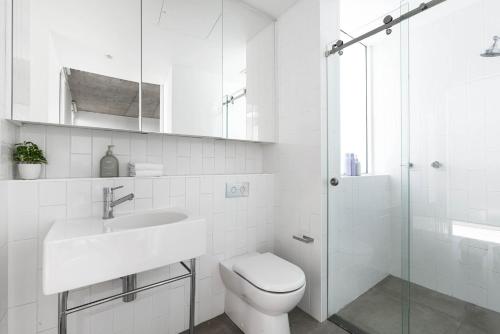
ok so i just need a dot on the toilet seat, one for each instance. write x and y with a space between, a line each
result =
270 273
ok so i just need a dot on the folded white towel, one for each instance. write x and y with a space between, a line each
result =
144 166
146 173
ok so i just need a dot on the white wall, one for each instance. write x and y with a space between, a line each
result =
299 158
235 226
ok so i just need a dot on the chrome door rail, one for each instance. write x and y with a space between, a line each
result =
64 311
389 22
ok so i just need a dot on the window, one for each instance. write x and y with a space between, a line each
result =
354 103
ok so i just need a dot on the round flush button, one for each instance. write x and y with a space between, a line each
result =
233 189
242 189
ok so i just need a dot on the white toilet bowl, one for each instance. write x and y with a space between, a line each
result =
261 290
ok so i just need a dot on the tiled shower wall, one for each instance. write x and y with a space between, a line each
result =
235 226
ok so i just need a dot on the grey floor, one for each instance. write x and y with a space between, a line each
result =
300 323
379 311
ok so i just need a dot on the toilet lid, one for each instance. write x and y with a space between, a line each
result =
271 273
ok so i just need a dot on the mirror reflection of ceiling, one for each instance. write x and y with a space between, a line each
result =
272 7
104 36
106 95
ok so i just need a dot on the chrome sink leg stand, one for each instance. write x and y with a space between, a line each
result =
64 311
62 306
192 296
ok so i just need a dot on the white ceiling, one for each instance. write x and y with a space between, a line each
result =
272 7
358 16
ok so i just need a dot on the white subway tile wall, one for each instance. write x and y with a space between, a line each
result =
299 160
76 153
235 226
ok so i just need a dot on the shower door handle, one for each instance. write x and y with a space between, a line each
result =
334 181
436 164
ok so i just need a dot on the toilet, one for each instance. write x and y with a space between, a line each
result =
260 291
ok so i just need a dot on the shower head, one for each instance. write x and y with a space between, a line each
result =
494 51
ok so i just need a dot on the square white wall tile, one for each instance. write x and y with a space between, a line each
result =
81 165
22 319
23 210
143 188
22 272
52 193
58 152
79 198
81 141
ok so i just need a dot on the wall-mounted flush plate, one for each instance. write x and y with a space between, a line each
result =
237 189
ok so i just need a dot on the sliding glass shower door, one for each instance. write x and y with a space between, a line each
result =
368 194
455 151
414 237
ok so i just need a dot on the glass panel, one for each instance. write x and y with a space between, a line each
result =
455 150
73 65
368 266
354 106
434 111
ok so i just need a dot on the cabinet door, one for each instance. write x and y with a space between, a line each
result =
182 67
249 73
77 62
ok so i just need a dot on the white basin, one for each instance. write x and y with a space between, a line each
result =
82 252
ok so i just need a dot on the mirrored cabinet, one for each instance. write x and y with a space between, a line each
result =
188 67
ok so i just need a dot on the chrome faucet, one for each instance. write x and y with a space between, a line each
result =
110 203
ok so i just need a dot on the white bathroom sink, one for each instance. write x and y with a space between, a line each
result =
82 252
143 219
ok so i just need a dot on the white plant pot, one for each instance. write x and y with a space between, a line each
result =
29 171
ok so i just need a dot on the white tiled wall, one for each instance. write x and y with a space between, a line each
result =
76 152
299 158
235 226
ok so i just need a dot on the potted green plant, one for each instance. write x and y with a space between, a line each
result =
29 158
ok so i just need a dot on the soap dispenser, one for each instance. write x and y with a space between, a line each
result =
109 164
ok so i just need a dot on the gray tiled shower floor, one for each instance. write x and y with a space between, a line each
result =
379 311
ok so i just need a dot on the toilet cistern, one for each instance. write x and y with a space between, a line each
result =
110 203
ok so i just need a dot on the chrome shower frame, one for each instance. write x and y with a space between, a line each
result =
389 22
